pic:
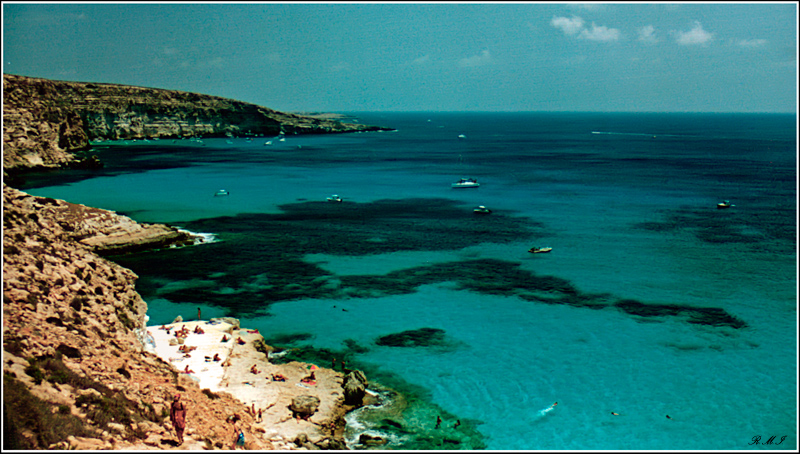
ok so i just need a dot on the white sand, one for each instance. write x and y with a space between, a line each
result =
208 374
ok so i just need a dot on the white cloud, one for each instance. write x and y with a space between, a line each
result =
647 34
752 42
694 36
601 33
481 59
570 26
574 26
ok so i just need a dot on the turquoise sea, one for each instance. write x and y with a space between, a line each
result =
653 302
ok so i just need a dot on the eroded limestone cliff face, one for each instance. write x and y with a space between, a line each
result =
47 121
39 128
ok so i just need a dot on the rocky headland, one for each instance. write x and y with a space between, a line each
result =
47 123
78 372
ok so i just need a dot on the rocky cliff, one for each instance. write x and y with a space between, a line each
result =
45 122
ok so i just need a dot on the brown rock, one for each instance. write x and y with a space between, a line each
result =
304 405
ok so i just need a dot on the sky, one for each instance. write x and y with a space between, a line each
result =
417 56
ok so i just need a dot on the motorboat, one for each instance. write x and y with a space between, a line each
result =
539 250
221 192
725 204
462 136
481 210
466 183
334 198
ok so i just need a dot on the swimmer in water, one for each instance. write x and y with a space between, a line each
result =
668 417
615 414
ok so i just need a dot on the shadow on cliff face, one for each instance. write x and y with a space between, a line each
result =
260 259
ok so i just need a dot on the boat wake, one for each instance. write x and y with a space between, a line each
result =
543 412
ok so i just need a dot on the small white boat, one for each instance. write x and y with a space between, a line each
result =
725 204
481 210
221 192
334 198
466 183
462 136
268 142
539 250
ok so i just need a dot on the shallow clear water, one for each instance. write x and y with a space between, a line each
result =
628 203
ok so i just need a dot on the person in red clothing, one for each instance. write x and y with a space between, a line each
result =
177 415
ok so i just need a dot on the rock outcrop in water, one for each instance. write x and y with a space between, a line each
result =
101 231
45 122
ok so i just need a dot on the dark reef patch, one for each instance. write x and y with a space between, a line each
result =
423 337
288 339
711 316
746 224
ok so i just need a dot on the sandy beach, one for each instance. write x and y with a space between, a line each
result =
232 373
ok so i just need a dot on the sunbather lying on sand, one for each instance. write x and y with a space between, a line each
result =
278 377
309 379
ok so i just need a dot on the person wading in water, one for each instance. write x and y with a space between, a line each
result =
177 415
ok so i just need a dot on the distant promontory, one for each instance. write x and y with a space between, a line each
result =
45 122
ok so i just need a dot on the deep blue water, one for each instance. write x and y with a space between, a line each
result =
653 302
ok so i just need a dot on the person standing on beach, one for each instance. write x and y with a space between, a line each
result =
238 433
177 415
